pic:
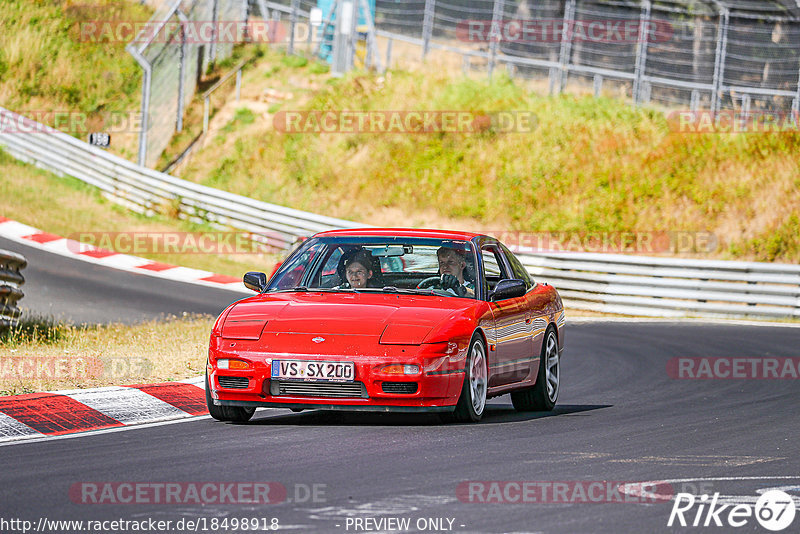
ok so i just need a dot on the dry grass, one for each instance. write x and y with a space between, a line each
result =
68 357
29 195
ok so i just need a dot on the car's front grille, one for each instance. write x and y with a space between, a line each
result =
399 387
298 388
233 382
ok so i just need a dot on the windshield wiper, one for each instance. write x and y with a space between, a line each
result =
393 289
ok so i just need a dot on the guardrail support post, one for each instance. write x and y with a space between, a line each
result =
494 37
719 60
746 101
641 51
598 85
292 24
146 79
566 45
796 101
427 26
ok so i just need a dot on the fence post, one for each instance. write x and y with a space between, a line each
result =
238 84
212 49
182 74
389 53
206 111
566 44
719 60
796 100
427 25
292 23
641 52
494 36
148 69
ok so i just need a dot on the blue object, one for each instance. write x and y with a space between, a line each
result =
325 33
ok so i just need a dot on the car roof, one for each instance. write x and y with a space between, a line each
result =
399 232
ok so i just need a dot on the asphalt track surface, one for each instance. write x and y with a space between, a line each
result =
82 292
620 417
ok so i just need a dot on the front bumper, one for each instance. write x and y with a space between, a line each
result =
438 384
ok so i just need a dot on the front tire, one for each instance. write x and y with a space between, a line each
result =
542 397
235 414
472 402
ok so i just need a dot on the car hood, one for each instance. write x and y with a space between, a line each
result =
395 319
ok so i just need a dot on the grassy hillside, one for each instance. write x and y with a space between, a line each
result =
45 66
590 165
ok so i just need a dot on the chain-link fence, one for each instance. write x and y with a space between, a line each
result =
174 50
695 54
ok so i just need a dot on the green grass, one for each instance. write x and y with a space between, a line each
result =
47 65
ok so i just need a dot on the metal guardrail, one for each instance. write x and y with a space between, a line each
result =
148 191
670 287
633 285
11 279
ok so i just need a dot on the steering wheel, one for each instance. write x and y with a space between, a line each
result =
430 282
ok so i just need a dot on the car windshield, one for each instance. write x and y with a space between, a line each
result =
425 266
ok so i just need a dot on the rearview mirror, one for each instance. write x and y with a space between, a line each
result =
508 289
255 281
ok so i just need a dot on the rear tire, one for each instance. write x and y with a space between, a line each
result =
472 402
542 397
235 414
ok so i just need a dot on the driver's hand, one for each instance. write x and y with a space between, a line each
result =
451 282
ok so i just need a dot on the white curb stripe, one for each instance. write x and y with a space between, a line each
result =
22 233
10 428
128 405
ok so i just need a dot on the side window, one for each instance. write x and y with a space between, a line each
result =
493 267
520 272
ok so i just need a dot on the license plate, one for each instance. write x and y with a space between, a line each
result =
314 371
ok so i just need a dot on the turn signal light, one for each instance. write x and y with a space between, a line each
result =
400 369
232 364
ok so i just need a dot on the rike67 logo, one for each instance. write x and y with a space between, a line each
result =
774 510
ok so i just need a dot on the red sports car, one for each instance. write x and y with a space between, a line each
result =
389 320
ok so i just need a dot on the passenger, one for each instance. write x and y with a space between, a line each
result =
452 263
358 270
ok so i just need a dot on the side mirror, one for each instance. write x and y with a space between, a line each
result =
255 281
508 289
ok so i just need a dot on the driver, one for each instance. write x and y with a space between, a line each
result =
452 262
